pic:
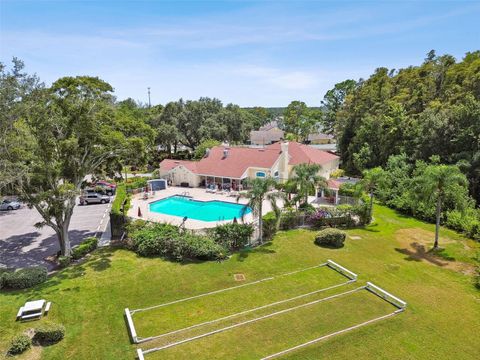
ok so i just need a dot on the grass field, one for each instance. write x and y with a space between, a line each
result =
442 320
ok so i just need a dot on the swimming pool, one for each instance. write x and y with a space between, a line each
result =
199 210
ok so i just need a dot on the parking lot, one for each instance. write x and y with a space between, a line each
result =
21 244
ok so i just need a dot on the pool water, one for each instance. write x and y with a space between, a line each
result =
198 210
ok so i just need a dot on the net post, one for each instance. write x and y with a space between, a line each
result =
140 354
385 295
131 326
342 270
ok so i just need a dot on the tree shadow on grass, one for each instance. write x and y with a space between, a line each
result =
371 227
261 249
419 252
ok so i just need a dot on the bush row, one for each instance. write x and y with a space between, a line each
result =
232 236
23 278
168 241
120 205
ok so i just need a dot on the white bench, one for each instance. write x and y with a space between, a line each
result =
31 316
47 308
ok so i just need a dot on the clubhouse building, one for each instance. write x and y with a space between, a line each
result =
228 167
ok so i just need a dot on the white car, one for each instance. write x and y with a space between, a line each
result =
9 205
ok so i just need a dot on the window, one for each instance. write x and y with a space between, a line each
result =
260 174
275 174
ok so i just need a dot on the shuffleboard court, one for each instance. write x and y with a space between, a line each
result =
274 334
183 314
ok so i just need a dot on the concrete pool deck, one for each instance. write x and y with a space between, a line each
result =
197 194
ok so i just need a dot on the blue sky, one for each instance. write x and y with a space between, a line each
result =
246 52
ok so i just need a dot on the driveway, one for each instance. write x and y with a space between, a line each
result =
21 244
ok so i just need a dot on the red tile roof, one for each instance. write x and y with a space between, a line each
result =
169 164
239 159
300 154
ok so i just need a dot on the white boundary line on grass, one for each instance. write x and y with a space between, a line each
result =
370 287
225 289
244 312
250 321
332 334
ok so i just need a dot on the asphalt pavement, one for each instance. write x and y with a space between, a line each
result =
22 244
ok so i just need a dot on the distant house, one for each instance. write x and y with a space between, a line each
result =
230 166
320 138
267 134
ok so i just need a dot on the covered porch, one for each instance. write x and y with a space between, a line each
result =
222 183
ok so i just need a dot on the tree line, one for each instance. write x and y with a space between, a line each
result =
421 111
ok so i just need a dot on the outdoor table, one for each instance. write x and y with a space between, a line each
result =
32 309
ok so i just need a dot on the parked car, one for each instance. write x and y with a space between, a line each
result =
9 205
94 198
100 189
106 183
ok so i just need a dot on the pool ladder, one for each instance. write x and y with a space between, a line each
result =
185 194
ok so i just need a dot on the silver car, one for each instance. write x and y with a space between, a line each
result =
94 198
9 205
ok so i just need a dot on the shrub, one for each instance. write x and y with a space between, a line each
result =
49 333
348 189
202 248
137 182
3 274
154 239
168 241
330 237
289 219
86 246
120 205
25 278
307 208
19 344
232 236
64 261
270 225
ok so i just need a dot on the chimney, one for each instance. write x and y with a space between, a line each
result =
207 152
225 153
285 158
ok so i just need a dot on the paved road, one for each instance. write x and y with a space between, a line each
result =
21 244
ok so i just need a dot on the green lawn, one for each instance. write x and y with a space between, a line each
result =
442 320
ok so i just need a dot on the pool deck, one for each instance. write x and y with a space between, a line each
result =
197 194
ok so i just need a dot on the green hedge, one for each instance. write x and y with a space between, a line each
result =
86 246
25 278
232 236
136 183
270 225
169 242
332 238
117 218
19 344
49 333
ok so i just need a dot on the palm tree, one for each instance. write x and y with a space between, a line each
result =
435 183
306 179
372 178
258 191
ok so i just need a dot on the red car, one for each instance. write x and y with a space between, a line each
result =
106 184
